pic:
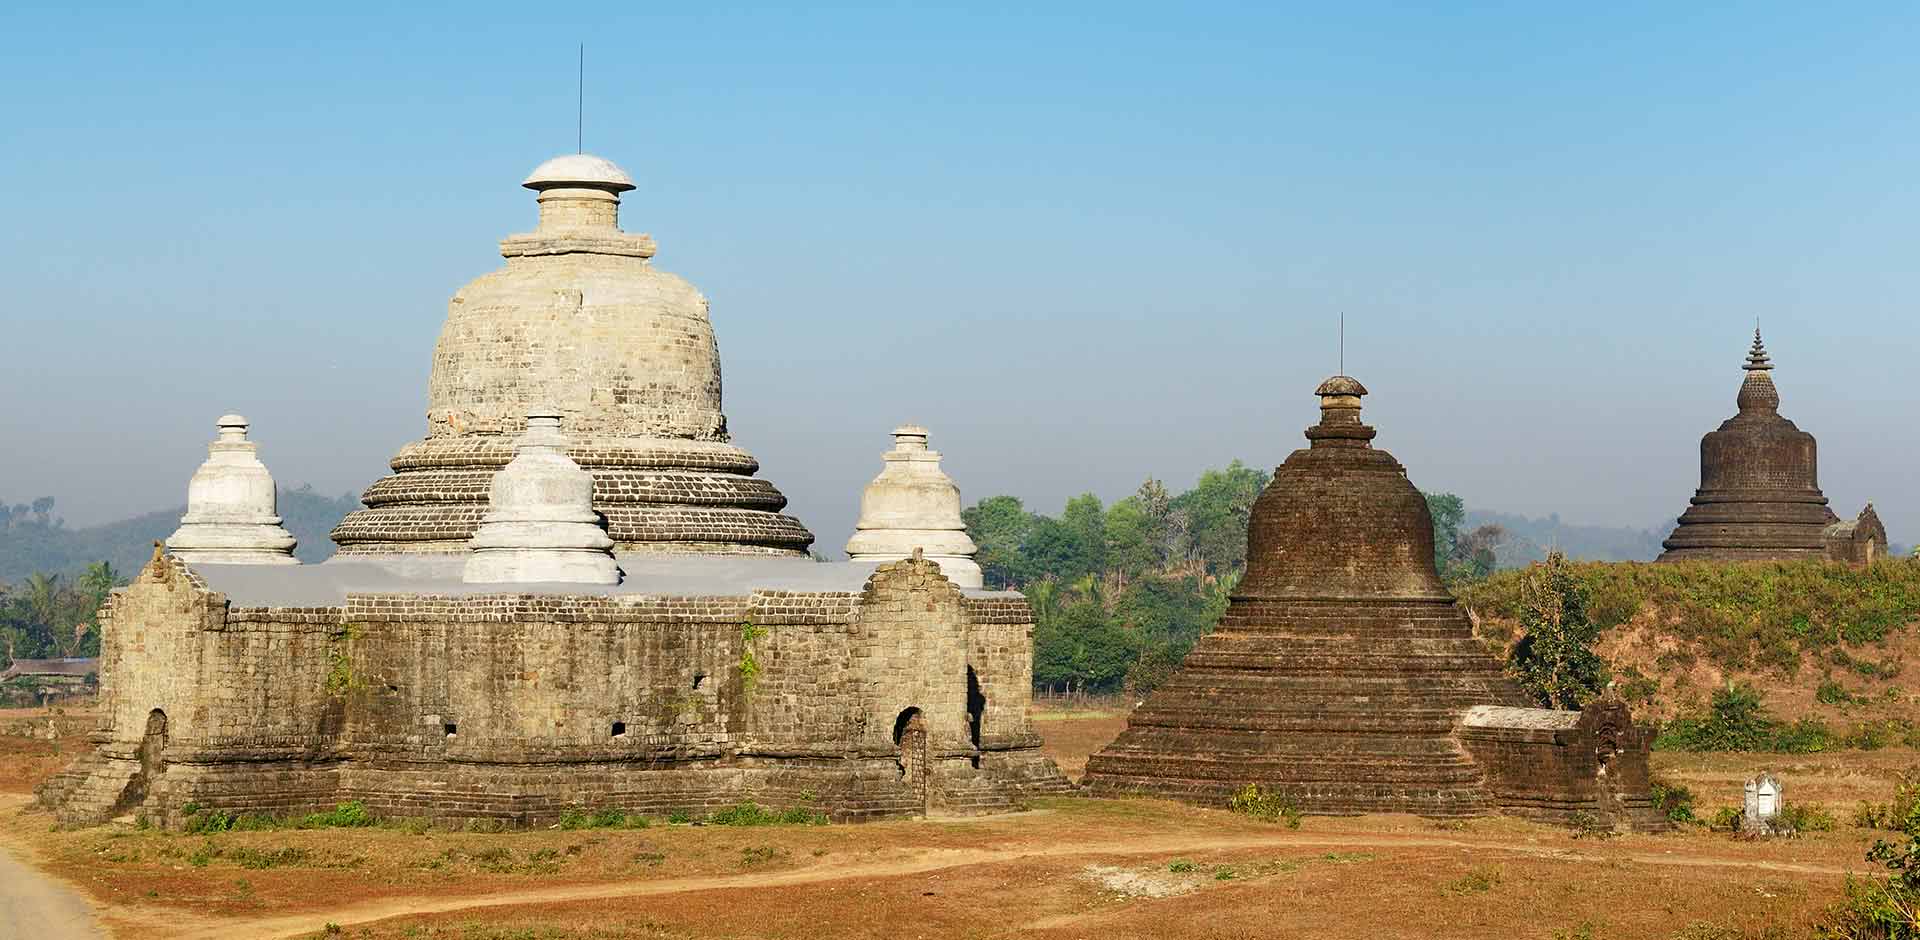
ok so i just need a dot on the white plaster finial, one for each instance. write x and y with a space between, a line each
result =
913 508
232 507
540 525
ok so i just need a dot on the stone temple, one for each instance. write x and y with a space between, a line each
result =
580 320
574 593
1759 496
1345 676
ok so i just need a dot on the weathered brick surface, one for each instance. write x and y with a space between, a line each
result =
1342 667
518 706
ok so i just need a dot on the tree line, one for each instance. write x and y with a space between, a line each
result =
50 616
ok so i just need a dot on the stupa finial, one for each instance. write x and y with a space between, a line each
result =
1757 360
1340 414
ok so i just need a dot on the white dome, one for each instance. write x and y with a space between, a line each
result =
580 169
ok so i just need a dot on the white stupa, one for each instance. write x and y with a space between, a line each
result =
233 515
540 525
913 504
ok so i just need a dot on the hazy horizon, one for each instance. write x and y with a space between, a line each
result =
1082 246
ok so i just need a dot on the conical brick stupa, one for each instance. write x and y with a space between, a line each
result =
1343 671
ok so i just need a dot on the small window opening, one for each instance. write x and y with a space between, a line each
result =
619 728
698 678
452 729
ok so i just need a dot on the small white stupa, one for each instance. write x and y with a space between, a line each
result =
233 513
540 525
913 504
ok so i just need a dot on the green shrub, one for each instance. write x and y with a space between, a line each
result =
1803 818
1737 720
1883 907
1674 800
349 815
1181 866
1725 819
1832 692
1265 804
602 819
1477 881
1892 816
1554 660
753 814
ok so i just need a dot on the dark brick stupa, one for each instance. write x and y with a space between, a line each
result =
1345 676
1759 495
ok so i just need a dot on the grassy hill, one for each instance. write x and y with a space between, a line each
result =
1818 642
37 544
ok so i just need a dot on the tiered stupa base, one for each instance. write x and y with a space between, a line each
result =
659 495
1750 527
1344 706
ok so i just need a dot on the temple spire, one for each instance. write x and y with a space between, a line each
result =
1757 360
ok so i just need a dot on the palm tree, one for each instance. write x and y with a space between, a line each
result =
43 598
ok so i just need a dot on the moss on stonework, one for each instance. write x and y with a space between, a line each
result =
340 676
749 664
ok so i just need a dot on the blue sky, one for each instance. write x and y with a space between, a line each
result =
1083 244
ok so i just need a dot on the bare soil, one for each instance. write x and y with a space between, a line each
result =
1066 868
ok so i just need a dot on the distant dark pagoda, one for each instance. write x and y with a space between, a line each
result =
1759 495
1346 677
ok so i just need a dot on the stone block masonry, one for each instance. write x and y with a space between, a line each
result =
520 706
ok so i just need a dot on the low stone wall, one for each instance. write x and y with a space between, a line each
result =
1586 768
519 707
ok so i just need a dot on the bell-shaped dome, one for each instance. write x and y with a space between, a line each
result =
1340 519
1759 494
233 512
913 504
579 320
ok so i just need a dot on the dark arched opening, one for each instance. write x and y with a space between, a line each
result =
976 712
153 745
908 716
910 735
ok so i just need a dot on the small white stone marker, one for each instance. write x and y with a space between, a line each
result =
233 513
540 525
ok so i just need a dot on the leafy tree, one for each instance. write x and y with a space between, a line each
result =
1215 513
999 525
1132 545
1448 512
1554 658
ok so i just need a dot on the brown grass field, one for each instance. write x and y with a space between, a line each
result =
1065 868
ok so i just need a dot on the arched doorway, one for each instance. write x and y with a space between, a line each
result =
976 712
153 746
910 737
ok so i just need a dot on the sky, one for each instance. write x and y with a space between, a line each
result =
1083 243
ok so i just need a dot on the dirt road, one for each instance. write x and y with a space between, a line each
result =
174 925
33 906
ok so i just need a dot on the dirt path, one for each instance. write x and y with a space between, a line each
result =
33 906
174 924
